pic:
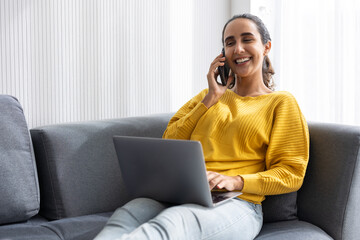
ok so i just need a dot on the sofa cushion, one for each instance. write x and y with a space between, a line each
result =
280 207
76 228
19 189
79 228
26 232
79 173
294 230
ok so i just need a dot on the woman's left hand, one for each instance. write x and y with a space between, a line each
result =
220 181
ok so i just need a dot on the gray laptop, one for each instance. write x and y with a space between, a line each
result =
171 171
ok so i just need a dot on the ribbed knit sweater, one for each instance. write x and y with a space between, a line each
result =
263 139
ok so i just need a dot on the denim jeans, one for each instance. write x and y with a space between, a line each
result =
145 218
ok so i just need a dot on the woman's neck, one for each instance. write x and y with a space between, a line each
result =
247 87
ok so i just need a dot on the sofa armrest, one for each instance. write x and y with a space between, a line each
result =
330 194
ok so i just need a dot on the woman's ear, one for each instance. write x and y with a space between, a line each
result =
267 48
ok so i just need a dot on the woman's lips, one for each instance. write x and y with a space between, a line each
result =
241 61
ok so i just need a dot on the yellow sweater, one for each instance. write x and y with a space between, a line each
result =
263 139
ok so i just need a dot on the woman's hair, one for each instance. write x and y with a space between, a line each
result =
267 69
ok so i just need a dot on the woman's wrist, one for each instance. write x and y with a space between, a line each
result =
210 99
240 182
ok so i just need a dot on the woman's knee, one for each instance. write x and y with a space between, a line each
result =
144 203
177 216
141 209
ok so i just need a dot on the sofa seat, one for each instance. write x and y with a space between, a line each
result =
292 230
28 230
38 228
79 228
87 227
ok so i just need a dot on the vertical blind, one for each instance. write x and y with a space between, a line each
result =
73 60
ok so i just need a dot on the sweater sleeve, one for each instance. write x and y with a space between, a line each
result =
287 153
182 124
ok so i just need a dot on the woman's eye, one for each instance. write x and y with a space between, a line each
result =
229 43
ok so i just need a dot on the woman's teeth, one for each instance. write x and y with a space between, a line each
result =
241 60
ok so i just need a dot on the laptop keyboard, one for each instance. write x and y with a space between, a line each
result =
218 196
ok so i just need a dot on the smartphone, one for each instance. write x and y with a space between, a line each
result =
224 71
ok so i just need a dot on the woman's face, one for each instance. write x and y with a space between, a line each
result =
244 50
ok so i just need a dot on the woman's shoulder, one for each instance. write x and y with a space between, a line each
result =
285 101
284 96
281 100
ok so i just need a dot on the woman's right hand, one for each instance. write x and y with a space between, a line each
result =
216 90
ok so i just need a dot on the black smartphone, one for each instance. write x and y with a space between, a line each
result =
224 71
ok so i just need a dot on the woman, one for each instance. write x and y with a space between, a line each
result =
255 140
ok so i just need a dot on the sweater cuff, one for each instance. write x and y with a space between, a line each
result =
252 183
197 112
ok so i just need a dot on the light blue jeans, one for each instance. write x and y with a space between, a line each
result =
145 218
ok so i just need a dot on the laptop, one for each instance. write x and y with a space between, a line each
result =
166 170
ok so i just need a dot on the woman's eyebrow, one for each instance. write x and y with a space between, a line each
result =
228 38
247 34
243 34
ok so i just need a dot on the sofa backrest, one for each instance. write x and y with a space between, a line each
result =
19 188
78 169
79 172
329 197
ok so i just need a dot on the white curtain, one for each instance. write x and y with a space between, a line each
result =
317 55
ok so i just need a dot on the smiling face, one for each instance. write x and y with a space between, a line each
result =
244 49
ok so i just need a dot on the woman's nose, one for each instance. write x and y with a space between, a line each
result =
239 48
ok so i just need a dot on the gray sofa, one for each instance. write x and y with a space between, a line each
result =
63 181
